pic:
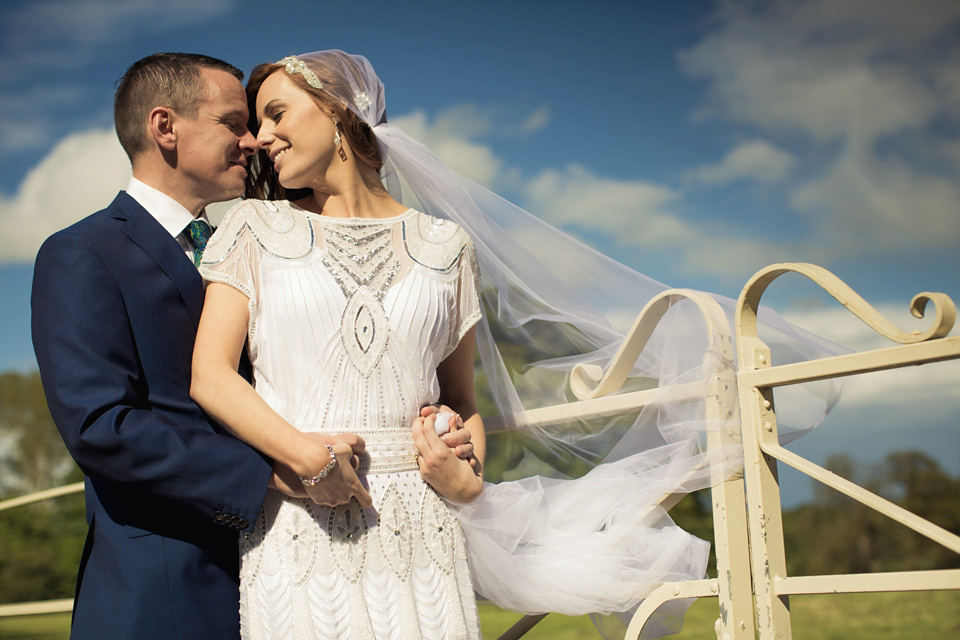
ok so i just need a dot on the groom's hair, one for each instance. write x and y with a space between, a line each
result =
163 79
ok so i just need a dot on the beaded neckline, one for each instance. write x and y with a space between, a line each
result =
353 221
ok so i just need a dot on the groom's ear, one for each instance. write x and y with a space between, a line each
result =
161 129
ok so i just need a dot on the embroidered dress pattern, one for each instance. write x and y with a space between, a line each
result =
361 262
357 315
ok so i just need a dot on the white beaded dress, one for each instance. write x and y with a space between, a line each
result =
349 319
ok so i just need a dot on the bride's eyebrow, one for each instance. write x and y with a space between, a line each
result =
267 108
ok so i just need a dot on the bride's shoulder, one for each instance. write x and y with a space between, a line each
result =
435 243
277 227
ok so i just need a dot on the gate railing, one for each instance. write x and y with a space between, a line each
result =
757 377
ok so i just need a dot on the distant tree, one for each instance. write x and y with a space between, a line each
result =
41 542
836 534
919 484
35 457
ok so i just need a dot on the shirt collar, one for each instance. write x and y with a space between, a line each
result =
171 215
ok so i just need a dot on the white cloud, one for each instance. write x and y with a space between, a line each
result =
636 213
80 175
910 386
633 211
757 160
869 90
536 121
868 204
824 68
449 136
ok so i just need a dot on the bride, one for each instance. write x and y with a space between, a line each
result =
352 277
356 311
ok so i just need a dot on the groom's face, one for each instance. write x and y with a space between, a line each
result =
212 149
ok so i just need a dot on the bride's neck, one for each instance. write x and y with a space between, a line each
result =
363 204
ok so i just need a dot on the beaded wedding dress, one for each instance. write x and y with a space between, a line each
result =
348 321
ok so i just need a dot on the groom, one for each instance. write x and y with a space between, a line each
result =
116 301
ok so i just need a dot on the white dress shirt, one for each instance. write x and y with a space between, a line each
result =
171 215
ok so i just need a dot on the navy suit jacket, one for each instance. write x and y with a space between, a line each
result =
115 305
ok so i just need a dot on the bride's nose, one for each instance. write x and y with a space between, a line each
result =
264 137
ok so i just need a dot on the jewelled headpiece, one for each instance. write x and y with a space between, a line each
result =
295 65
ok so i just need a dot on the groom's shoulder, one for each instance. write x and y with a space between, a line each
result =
96 232
96 224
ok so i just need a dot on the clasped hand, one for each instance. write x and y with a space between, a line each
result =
442 464
340 485
343 483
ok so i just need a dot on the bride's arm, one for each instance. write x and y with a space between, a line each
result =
454 478
227 397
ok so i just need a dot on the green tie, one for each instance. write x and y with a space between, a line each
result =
200 232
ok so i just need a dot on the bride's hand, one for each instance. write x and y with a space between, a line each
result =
453 477
341 483
457 438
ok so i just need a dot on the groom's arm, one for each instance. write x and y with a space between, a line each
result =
98 393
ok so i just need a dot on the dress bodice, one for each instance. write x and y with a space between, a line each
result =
348 313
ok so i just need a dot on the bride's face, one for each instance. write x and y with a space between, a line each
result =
296 133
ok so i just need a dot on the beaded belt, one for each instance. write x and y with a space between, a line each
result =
388 451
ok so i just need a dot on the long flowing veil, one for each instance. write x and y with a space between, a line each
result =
570 521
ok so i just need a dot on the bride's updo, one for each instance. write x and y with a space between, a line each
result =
330 70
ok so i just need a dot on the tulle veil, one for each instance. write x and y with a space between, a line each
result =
570 521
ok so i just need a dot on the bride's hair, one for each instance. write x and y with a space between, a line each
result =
262 180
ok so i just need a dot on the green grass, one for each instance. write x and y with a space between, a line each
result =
871 616
55 626
862 616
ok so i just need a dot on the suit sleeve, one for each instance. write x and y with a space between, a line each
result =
99 396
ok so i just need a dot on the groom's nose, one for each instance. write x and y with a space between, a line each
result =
248 143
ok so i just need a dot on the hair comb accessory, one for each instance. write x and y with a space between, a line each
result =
361 100
295 65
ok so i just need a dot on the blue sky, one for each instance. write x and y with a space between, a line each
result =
694 141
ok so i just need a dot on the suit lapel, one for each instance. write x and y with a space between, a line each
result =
144 230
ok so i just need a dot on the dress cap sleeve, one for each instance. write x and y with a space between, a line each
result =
468 310
232 255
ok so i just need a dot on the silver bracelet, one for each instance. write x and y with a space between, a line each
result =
309 482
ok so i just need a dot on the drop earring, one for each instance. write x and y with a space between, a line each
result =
338 142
